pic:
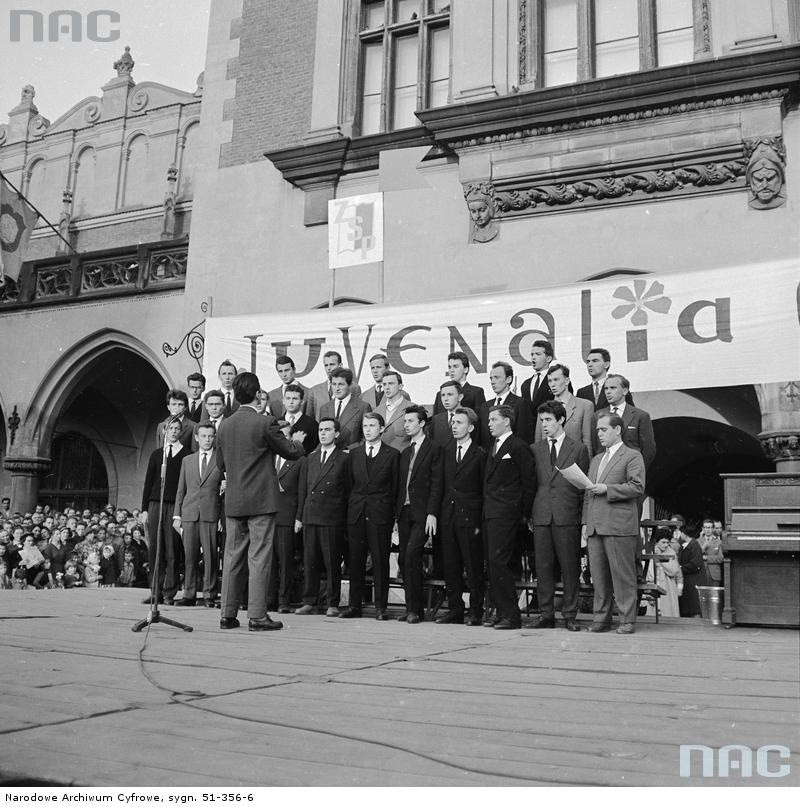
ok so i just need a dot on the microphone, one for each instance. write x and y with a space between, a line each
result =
164 462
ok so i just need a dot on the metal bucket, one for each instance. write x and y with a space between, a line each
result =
711 601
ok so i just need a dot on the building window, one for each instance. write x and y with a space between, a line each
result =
577 40
404 62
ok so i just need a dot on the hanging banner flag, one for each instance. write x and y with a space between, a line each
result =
355 230
17 220
709 328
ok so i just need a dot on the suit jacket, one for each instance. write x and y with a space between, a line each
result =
484 435
350 433
151 491
425 483
196 417
557 501
186 436
324 489
246 446
307 424
394 435
578 424
637 432
289 476
587 393
198 498
691 560
462 486
371 397
438 429
617 512
234 403
473 398
508 486
527 414
373 491
276 406
318 395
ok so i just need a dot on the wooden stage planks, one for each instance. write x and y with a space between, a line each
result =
358 702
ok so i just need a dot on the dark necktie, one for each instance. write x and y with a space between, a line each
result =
372 452
596 391
324 457
458 456
203 464
330 394
378 394
536 386
194 408
228 402
496 446
497 401
169 452
338 409
410 469
614 410
553 453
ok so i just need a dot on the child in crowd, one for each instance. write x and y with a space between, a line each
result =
109 571
91 570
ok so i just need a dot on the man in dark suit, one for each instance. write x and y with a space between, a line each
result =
440 426
637 429
392 407
507 497
246 446
501 377
214 408
419 495
227 374
288 522
164 464
378 366
197 509
324 489
294 415
557 516
195 386
535 390
458 369
611 525
370 515
345 407
598 360
285 368
322 393
460 519
176 404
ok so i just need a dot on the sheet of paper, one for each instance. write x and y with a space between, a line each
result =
575 476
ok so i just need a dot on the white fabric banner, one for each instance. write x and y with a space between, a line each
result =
708 328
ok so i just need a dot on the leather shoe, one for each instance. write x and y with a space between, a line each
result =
506 624
451 618
186 602
474 621
149 600
382 616
209 604
304 610
543 621
350 613
332 611
403 617
412 618
228 622
600 627
264 624
284 609
626 627
489 621
169 601
572 624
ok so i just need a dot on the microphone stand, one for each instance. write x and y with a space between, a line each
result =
154 615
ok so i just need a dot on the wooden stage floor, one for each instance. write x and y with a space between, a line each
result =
360 702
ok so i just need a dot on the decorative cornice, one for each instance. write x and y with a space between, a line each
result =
27 466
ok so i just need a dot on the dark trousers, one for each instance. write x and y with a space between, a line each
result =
563 543
322 545
412 541
501 538
199 535
164 580
613 562
366 536
282 577
248 560
462 547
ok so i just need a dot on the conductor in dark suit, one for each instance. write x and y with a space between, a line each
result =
637 428
458 368
419 496
324 489
598 362
345 407
557 516
507 498
535 390
197 509
246 447
370 515
611 524
501 377
460 519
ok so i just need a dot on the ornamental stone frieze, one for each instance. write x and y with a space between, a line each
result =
27 466
781 447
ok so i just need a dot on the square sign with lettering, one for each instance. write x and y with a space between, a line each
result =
355 230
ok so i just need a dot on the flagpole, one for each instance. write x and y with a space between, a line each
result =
39 212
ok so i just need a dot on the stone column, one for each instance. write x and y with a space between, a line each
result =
780 421
26 473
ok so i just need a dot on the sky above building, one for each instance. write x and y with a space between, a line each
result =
167 41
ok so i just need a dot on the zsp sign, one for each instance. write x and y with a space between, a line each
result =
70 24
739 758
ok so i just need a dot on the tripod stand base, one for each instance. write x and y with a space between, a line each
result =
154 616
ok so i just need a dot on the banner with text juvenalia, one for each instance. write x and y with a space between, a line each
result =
707 328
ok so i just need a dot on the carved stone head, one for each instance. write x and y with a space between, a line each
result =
766 172
480 203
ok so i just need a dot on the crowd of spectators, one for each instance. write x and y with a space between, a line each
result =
48 549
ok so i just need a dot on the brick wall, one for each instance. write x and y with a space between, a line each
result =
274 73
